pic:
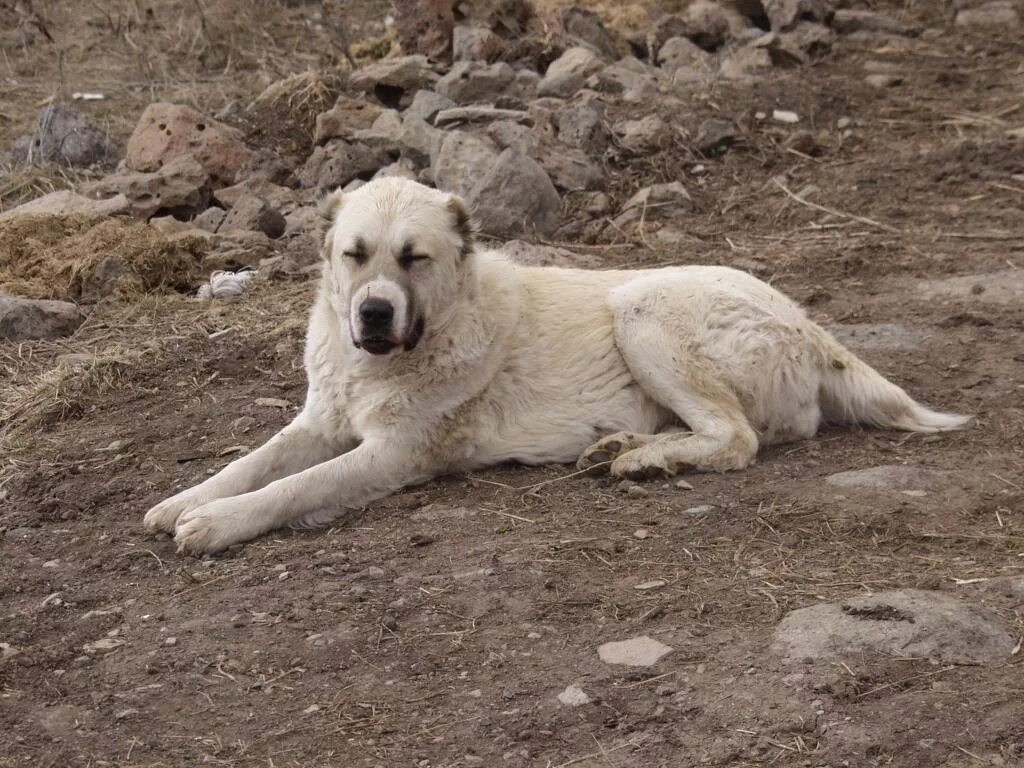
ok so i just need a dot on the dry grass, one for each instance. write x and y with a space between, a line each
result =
19 184
62 257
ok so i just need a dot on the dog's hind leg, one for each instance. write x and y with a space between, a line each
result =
659 340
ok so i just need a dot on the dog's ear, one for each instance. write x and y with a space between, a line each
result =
330 206
464 224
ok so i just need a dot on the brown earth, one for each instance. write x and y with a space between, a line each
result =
437 627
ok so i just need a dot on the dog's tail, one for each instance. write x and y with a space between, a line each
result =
852 392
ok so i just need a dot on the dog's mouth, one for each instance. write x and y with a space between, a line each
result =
383 345
376 346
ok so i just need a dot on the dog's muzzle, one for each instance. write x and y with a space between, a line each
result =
378 334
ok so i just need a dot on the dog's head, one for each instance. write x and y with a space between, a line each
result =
397 257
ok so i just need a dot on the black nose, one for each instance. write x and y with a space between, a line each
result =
376 313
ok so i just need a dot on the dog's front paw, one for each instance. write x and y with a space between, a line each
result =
164 516
214 527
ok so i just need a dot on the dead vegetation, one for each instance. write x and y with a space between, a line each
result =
83 257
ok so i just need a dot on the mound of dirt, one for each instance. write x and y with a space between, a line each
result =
85 257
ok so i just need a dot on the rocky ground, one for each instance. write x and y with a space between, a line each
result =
856 600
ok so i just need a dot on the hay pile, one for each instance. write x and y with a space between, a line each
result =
87 257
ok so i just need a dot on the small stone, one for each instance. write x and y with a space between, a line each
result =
637 492
312 708
700 511
583 126
883 80
785 116
473 43
714 136
997 14
51 564
421 539
648 134
636 652
683 485
647 586
283 575
641 533
573 696
170 642
389 622
18 534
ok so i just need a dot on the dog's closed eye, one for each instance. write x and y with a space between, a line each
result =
408 259
359 257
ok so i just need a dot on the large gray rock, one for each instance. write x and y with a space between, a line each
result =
345 118
656 203
476 43
461 160
633 81
66 137
567 74
905 623
64 202
583 126
848 20
253 213
785 14
338 162
180 188
29 319
425 106
681 52
515 196
571 170
647 134
587 28
470 82
402 74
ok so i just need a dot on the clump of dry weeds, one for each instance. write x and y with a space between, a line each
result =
70 257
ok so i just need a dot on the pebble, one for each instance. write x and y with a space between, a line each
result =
170 642
641 533
682 484
51 564
311 709
785 116
637 492
883 80
699 511
649 585
640 651
573 696
283 575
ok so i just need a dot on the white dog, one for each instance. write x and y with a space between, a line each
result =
426 356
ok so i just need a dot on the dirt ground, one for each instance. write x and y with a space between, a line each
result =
437 627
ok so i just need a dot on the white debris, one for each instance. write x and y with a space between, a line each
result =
649 585
785 116
573 696
225 284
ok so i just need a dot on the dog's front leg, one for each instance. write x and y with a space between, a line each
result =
298 446
372 470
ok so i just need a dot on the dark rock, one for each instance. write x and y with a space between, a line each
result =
66 137
30 319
